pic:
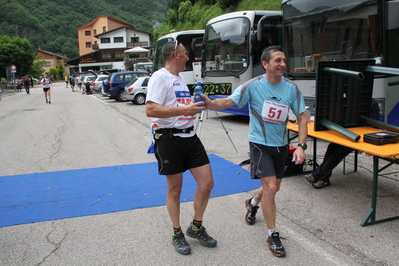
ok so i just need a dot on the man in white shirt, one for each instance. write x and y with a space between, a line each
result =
177 147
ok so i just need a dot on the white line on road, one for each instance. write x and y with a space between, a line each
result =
98 99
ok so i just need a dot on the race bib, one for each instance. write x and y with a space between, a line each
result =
274 112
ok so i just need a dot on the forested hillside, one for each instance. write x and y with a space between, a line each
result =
193 14
52 24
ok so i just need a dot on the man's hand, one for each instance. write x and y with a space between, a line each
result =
299 156
208 102
217 104
194 108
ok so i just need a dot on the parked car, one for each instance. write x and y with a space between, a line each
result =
86 81
143 66
95 84
114 86
87 78
108 71
136 90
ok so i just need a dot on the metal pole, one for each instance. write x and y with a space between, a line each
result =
349 73
380 124
225 130
199 125
382 70
347 133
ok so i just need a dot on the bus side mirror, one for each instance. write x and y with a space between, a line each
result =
254 39
196 46
259 29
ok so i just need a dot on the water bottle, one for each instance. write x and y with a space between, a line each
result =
198 90
244 63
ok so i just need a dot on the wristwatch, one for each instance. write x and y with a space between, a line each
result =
303 146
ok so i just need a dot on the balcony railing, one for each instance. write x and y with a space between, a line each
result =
95 46
135 60
135 44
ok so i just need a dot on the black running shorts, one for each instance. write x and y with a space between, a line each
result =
267 161
176 154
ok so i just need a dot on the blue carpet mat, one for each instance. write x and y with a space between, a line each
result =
64 194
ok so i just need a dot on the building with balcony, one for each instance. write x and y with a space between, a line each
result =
52 60
107 49
87 33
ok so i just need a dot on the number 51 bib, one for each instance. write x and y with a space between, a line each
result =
274 112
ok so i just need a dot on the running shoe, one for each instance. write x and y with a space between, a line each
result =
251 212
321 183
180 243
275 245
201 235
310 178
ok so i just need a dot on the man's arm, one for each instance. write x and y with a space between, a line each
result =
156 110
299 153
217 104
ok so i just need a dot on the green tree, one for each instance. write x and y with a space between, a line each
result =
53 73
184 11
61 70
171 17
36 69
15 51
225 4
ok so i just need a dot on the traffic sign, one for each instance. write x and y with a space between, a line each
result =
13 69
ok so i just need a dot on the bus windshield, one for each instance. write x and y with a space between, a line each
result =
346 30
184 38
158 59
226 47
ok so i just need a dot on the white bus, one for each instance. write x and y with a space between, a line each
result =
325 30
232 46
192 41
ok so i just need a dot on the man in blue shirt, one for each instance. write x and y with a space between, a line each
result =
270 97
72 82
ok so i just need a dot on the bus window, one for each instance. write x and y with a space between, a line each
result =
339 33
226 49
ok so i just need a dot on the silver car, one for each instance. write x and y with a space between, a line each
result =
136 90
95 84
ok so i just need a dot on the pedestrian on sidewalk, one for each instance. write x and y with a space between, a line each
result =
270 96
177 147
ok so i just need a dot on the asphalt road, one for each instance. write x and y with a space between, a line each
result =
78 131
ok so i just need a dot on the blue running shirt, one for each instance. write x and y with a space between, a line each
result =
268 108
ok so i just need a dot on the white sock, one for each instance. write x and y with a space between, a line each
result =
271 231
253 202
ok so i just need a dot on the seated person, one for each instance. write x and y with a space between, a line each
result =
335 153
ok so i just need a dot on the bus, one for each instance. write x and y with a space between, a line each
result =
232 46
192 41
325 30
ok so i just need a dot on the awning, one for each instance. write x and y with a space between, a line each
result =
96 64
137 49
